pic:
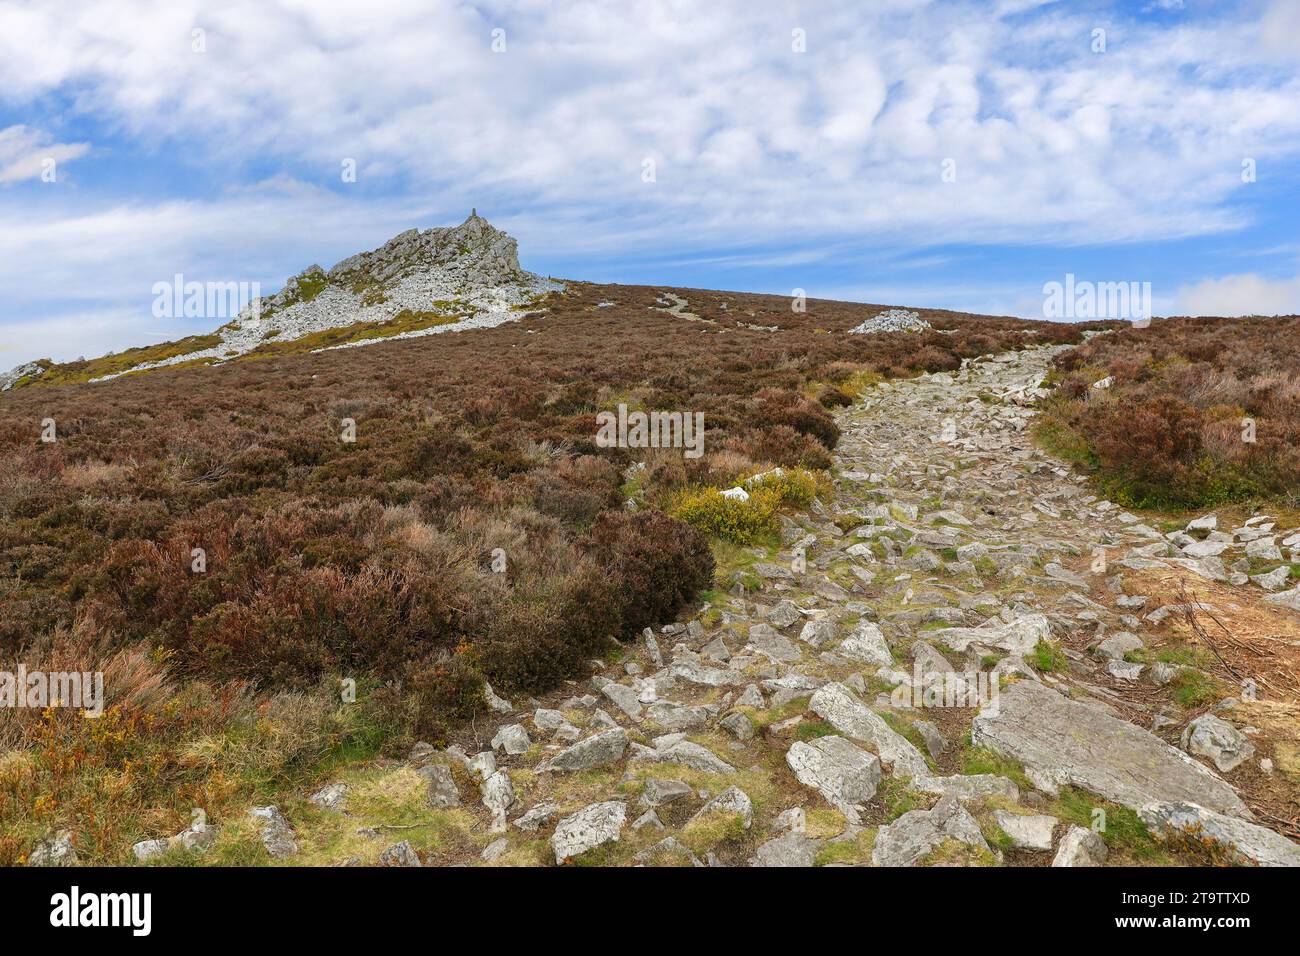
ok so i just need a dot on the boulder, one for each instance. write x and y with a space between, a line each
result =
442 789
1064 742
839 707
764 640
1027 832
1117 645
600 749
1248 843
789 849
1019 636
277 835
590 827
909 838
333 797
1080 847
513 739
818 633
400 854
1213 737
733 800
844 774
867 643
56 850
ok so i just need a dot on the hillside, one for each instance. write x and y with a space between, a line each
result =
404 600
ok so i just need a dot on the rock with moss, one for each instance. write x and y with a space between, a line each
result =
1247 843
592 826
846 775
917 832
1063 742
276 834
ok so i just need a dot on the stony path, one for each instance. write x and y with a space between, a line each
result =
956 568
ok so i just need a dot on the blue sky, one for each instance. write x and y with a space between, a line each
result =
794 145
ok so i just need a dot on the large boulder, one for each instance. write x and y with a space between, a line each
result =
1064 742
590 827
1213 737
595 751
840 708
1018 636
1248 843
844 774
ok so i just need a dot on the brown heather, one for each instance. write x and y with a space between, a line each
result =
372 560
1169 431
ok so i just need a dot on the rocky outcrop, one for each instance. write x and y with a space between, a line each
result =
468 275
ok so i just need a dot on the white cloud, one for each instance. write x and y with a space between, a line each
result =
756 145
748 135
1245 294
27 153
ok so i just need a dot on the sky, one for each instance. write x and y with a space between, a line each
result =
905 152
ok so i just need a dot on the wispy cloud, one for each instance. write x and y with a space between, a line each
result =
27 153
1246 294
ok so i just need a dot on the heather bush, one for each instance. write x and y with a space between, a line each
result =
1171 429
657 564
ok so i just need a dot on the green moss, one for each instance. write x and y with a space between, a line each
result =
897 798
69 372
1192 688
1049 657
405 321
1122 829
980 760
812 729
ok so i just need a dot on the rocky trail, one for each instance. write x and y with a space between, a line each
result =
964 658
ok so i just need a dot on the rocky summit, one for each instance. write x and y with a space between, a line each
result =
454 278
421 282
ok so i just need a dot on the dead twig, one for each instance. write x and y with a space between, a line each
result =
1189 612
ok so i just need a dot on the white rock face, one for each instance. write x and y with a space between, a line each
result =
589 828
470 271
512 738
892 320
844 774
10 378
1027 832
